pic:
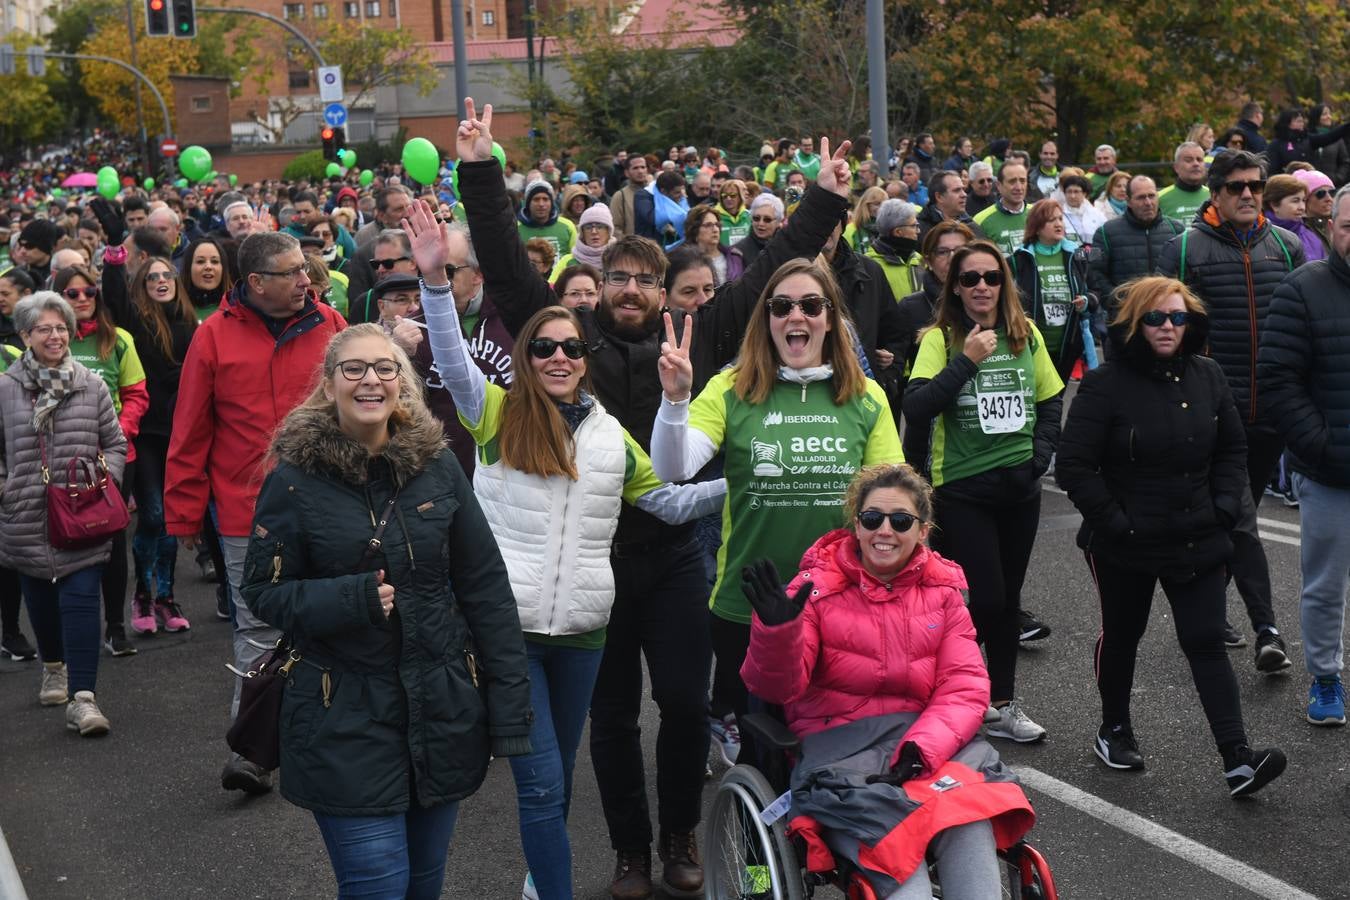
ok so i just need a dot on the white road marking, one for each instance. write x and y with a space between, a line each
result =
1266 524
1276 523
1165 839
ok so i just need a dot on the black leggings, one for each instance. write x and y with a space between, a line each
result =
1198 611
11 599
992 542
115 572
730 643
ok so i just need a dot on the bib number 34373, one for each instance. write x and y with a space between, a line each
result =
1001 403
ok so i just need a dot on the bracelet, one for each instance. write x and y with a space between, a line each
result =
434 288
115 255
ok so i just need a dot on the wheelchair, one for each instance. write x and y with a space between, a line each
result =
746 858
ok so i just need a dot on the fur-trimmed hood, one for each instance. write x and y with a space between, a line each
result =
311 440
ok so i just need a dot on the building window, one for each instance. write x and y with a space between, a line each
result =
489 17
201 104
351 9
299 78
293 11
320 10
393 9
372 9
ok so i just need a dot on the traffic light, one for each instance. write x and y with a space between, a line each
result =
156 18
184 18
339 141
330 147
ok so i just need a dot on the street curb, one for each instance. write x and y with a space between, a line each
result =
11 886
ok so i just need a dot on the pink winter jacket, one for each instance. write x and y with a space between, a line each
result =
863 648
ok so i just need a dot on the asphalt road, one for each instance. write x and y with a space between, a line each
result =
141 814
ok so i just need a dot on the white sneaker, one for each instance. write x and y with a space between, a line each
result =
726 737
83 715
1014 725
528 892
55 685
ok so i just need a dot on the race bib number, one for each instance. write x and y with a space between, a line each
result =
1000 402
1056 314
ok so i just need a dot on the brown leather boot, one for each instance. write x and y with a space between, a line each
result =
683 871
632 875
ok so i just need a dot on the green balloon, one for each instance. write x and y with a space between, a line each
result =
366 178
181 183
234 179
421 160
108 183
149 184
348 158
499 154
57 192
332 170
195 163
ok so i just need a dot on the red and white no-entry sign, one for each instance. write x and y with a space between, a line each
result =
168 148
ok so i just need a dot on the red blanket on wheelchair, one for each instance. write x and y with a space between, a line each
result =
882 829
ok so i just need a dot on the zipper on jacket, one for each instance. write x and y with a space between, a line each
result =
1251 324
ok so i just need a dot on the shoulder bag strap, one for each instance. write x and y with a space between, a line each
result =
373 545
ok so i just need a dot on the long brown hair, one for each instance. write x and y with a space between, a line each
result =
757 371
951 312
534 437
154 313
106 332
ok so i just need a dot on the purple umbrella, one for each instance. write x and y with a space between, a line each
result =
81 179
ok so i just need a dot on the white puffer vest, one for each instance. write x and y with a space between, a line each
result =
555 533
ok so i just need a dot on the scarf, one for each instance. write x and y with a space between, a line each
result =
53 386
807 375
591 256
1051 249
1118 205
575 413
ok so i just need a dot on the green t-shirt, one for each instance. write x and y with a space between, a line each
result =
1052 313
1098 181
808 164
638 479
990 425
1175 202
776 176
788 462
7 355
860 239
734 228
1003 228
120 369
562 234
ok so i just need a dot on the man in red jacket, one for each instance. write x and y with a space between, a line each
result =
246 369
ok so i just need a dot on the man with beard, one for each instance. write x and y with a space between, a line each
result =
660 608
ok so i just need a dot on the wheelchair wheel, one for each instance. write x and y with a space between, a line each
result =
746 859
1029 876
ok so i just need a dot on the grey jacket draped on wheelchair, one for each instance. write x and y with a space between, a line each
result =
882 829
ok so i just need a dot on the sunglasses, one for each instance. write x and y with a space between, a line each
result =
387 264
1322 193
544 348
901 522
1236 188
764 219
153 277
74 293
811 306
993 278
1155 317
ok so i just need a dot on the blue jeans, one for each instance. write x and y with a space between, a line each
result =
154 550
1324 550
65 618
390 857
561 679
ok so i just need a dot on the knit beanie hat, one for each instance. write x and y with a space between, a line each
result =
41 234
1313 180
598 214
535 187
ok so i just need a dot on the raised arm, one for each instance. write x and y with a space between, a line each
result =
516 289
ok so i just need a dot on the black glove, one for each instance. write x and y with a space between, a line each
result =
907 767
109 215
764 589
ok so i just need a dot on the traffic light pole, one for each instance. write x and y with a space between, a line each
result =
140 112
299 35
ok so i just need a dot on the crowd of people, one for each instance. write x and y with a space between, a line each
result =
566 423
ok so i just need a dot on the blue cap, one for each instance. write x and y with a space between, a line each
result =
578 177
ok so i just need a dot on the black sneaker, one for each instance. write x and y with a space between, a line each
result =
241 775
1116 746
1270 653
14 645
1030 628
1250 770
223 602
1232 638
116 641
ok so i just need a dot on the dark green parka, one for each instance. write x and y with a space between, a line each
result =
380 713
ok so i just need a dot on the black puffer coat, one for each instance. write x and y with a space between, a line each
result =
1236 279
381 712
1304 369
1126 248
1025 266
1154 457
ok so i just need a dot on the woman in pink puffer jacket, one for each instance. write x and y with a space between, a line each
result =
874 626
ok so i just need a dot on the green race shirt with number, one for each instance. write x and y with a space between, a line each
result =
1003 228
990 425
1176 203
121 368
1052 315
788 463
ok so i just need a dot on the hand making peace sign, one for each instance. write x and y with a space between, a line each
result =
677 372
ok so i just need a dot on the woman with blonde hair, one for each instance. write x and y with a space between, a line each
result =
733 209
985 385
796 417
388 719
1113 200
1154 457
553 471
861 228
